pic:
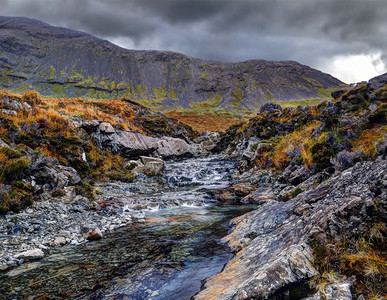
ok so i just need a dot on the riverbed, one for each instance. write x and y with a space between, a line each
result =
166 252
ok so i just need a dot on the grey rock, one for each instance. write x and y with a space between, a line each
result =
133 145
272 243
3 144
94 234
270 108
376 83
106 128
340 291
153 166
60 241
169 147
8 112
30 254
90 126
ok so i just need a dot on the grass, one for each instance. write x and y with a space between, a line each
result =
364 258
368 140
210 121
300 102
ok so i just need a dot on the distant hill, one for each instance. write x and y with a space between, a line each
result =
67 63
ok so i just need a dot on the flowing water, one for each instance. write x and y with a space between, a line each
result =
165 256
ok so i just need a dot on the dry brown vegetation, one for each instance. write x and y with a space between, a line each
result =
205 120
33 126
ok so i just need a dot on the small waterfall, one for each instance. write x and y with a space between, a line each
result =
186 183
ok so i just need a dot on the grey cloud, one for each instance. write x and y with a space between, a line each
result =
303 30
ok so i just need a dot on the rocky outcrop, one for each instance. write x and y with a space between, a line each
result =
376 83
48 174
132 145
68 63
272 247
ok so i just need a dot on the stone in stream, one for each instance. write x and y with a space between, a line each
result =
94 234
59 241
153 166
31 254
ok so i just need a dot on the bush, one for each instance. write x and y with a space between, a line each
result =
321 154
15 170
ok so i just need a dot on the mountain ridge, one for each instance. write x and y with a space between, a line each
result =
62 62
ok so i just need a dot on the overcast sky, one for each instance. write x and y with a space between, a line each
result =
346 38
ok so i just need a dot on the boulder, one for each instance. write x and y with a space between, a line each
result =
30 254
94 234
106 128
90 126
169 147
207 141
270 108
133 145
153 166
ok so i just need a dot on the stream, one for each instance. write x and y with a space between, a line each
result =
172 245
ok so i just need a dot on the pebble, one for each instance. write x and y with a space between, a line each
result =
51 224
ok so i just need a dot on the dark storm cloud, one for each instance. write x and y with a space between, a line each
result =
312 32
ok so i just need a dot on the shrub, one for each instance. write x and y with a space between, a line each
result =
321 154
15 170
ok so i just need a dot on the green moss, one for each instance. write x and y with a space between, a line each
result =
238 96
172 93
268 95
217 99
57 89
296 192
22 89
52 76
160 93
139 90
299 102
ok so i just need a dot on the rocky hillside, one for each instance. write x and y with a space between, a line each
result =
48 145
319 176
67 63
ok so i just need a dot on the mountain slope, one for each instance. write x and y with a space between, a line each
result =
67 63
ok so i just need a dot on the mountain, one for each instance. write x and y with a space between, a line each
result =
67 63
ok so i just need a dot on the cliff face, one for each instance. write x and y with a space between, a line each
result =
67 63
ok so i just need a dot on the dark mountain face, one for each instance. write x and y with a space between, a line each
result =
67 63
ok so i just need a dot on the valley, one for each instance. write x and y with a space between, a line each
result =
129 174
